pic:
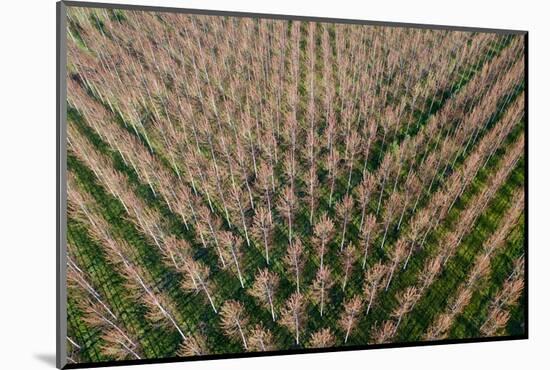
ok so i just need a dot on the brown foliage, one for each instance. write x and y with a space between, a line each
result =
193 346
262 229
348 318
260 340
234 320
384 332
348 258
374 280
295 261
322 338
264 289
232 252
323 232
293 315
321 287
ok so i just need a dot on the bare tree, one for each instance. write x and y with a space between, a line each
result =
323 232
293 314
384 333
237 206
161 309
194 346
406 301
321 286
343 209
348 256
266 183
287 207
398 253
412 187
208 227
441 325
73 351
364 194
119 342
234 320
368 231
413 236
260 339
322 338
373 282
389 214
178 253
385 168
262 229
197 279
264 288
117 346
431 269
294 260
507 296
332 163
348 318
497 321
231 248
353 148
311 179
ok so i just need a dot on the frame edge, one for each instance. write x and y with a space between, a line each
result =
61 198
244 14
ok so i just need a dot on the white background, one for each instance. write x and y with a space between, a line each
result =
27 182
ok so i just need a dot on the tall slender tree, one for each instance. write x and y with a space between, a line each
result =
293 315
262 229
348 258
321 287
368 233
323 232
348 318
234 320
374 280
397 255
294 261
323 338
194 346
264 289
344 211
232 250
287 207
260 340
364 195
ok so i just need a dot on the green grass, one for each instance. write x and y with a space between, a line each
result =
437 297
468 323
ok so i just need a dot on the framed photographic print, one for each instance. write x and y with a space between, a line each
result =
234 184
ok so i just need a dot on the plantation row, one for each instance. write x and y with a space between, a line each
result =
287 184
